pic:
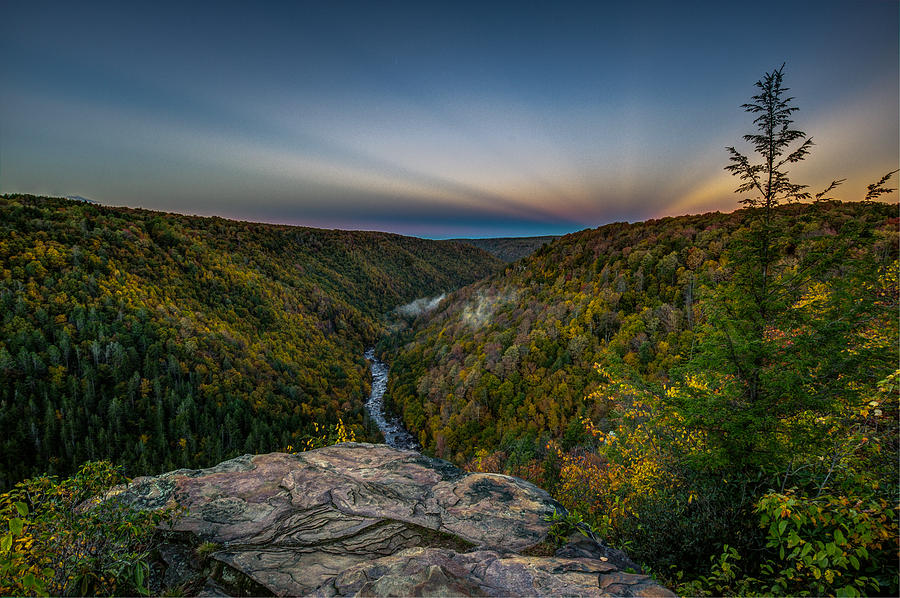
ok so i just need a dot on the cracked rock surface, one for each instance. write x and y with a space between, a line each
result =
368 520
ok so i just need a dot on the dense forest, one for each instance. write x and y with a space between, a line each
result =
163 341
600 368
508 360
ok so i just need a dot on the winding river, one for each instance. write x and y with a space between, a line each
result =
395 435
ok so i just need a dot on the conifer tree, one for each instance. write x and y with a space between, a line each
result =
770 363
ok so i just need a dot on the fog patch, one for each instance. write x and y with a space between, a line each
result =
420 306
480 309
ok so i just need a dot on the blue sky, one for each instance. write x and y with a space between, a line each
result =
433 119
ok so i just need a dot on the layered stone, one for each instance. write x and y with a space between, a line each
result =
363 519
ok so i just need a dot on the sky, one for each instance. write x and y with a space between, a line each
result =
436 119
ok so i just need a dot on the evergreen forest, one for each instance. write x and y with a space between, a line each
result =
163 341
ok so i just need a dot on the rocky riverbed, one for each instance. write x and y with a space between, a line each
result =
395 435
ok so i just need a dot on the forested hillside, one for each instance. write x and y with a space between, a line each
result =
161 341
510 358
720 422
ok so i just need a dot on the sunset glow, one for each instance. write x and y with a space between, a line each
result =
437 120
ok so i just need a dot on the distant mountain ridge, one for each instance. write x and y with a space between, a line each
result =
510 249
80 198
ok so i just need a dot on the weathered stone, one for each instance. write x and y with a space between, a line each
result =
440 572
580 546
181 565
363 519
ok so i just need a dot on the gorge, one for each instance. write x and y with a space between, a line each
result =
173 343
395 435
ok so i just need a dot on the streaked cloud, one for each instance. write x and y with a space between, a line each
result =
394 120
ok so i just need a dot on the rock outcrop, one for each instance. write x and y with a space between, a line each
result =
368 520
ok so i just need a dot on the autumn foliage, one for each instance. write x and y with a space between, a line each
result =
717 393
164 341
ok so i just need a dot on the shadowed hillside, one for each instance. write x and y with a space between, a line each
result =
161 341
510 249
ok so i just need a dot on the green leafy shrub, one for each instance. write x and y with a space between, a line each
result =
66 538
724 579
823 546
564 525
829 545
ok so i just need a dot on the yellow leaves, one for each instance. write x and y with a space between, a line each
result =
343 433
57 375
816 296
325 437
602 371
696 382
591 429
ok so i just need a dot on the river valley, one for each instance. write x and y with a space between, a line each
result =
395 435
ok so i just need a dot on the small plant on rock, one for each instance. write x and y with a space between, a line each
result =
564 525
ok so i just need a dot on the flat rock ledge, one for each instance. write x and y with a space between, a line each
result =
368 520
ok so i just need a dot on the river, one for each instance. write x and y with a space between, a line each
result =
395 435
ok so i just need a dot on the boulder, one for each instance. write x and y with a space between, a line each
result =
370 520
